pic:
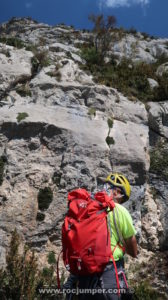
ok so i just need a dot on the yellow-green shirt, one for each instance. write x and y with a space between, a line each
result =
125 227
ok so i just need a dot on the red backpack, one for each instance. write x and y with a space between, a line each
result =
85 234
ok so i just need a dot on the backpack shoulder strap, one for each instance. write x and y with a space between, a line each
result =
120 237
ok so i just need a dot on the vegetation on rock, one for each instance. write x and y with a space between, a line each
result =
128 77
40 216
22 279
12 41
21 116
147 281
92 111
24 90
2 168
51 258
102 29
45 197
146 292
39 60
109 139
159 160
110 123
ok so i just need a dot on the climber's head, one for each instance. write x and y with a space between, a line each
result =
119 185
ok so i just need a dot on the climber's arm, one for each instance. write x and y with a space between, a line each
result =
131 246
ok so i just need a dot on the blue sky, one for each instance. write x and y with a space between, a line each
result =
149 16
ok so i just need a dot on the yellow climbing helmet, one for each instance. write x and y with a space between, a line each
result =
119 180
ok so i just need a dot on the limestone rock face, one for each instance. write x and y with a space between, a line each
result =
153 83
162 69
15 66
138 49
158 118
152 227
54 132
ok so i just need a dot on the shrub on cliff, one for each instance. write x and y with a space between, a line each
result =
91 56
19 279
102 30
12 41
22 279
39 60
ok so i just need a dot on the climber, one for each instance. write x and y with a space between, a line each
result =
122 234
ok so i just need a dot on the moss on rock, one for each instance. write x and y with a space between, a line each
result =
45 197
